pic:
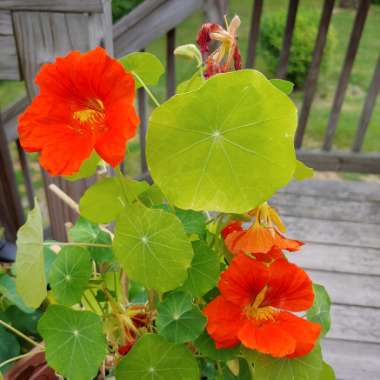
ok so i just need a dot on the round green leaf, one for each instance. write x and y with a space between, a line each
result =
204 271
30 266
302 171
307 367
9 346
227 146
146 65
320 311
70 274
194 222
75 345
327 373
153 358
152 246
103 201
178 320
87 169
206 347
285 86
195 82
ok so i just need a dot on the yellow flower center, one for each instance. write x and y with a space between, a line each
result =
255 310
92 114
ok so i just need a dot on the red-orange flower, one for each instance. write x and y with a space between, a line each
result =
85 103
254 308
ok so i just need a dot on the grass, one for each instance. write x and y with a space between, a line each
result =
360 79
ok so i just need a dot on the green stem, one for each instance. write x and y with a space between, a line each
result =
78 244
89 303
155 101
3 364
19 333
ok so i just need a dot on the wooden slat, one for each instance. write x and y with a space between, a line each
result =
349 289
11 216
333 232
10 115
338 258
316 207
352 49
354 323
170 63
341 161
335 189
254 32
149 21
9 67
142 106
215 10
287 41
368 108
352 360
312 77
26 173
53 6
6 23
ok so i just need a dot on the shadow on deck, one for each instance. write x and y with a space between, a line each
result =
340 223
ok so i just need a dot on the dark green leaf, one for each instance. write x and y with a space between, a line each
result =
70 274
204 271
30 267
153 358
193 221
178 320
75 345
285 86
49 258
9 347
25 322
153 248
146 65
206 346
8 290
320 311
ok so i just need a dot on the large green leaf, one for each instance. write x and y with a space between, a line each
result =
146 65
204 271
8 290
227 146
25 322
87 232
9 346
320 311
178 320
104 200
193 221
70 274
327 372
153 358
30 270
285 86
87 169
306 367
75 345
302 171
152 246
207 348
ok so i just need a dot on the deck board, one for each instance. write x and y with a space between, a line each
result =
339 221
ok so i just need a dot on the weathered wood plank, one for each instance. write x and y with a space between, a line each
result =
349 289
352 49
9 68
327 208
170 63
369 105
335 189
26 174
333 232
9 117
287 41
132 33
253 37
215 10
53 6
312 77
352 360
342 161
6 23
359 324
338 258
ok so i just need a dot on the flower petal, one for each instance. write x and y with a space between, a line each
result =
290 287
243 280
224 320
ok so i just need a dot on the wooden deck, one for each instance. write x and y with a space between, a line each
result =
340 223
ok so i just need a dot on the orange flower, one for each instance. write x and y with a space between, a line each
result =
263 236
254 308
85 103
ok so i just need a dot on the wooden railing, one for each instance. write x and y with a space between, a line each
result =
134 32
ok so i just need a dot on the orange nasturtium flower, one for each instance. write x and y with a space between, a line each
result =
254 308
85 103
264 236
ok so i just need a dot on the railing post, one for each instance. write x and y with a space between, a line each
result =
254 32
170 63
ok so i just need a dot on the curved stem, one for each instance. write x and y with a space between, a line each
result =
78 244
155 101
19 333
3 364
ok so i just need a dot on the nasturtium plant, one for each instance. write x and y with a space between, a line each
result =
183 275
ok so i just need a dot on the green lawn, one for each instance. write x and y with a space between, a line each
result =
360 79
